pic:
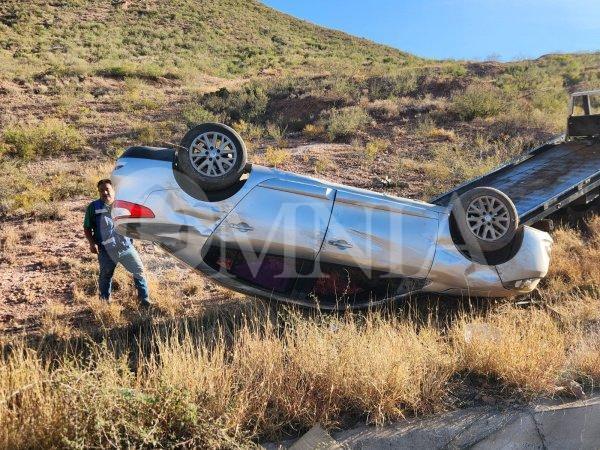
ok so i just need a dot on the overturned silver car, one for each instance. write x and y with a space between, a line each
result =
297 239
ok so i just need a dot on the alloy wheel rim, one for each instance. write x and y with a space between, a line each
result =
213 154
488 218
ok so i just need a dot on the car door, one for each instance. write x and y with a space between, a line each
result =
278 227
375 233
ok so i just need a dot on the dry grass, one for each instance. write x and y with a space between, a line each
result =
32 233
524 351
107 315
54 320
225 390
225 382
585 357
9 237
576 258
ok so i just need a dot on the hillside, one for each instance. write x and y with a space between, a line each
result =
80 81
172 39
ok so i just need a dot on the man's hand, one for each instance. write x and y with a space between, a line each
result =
90 238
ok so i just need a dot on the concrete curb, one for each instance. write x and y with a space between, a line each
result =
551 425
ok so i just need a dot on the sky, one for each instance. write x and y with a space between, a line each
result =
461 29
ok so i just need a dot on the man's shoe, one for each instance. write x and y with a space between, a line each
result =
145 304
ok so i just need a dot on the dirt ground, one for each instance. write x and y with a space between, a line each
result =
46 268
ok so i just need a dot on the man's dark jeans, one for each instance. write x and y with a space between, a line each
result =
130 259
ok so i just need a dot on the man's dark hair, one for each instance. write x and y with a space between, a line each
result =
103 182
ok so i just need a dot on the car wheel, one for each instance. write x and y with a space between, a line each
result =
486 218
213 155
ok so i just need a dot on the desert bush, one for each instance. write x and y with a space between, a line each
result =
194 114
427 128
384 87
313 130
456 162
477 101
384 109
67 101
155 133
424 126
29 199
27 189
340 87
48 212
248 104
140 97
322 163
345 122
51 137
275 132
550 101
124 69
454 69
249 131
374 147
276 156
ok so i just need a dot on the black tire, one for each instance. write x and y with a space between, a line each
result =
481 228
213 155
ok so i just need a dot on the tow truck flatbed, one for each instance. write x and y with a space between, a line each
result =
563 172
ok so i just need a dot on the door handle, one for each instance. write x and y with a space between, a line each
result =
242 226
340 243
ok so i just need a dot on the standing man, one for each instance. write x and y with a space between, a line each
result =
111 247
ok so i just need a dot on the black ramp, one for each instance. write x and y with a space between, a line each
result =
545 177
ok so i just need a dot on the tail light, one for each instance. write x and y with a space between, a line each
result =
127 210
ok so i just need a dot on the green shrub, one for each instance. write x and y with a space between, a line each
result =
194 114
156 133
248 131
375 147
346 122
275 132
50 137
313 131
276 156
248 104
139 96
478 101
384 87
454 69
549 101
149 71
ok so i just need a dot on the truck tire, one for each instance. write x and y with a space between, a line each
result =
213 155
486 218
